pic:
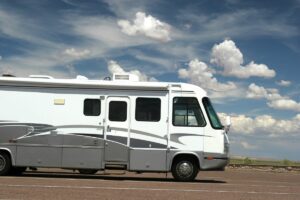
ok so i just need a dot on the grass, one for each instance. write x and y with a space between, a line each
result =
254 161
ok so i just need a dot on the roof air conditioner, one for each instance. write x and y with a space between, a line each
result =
125 77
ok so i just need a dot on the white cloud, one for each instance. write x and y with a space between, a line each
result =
72 52
156 60
103 37
263 125
146 25
199 73
284 83
99 37
228 56
284 104
256 92
114 67
40 54
246 145
275 100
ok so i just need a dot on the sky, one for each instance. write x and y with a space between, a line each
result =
245 54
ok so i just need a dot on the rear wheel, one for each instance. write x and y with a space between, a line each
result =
184 170
87 171
5 163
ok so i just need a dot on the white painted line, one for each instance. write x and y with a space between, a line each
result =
49 178
267 182
205 182
213 182
148 189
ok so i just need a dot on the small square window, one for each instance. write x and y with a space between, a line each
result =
117 111
147 109
92 107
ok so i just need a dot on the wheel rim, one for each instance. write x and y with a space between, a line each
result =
184 169
2 163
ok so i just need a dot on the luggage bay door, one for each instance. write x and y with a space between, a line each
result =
117 129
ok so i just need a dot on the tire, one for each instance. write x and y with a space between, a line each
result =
87 171
5 164
184 170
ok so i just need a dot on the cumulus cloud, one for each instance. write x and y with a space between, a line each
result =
114 67
228 56
284 83
199 73
256 92
285 104
263 124
275 100
75 53
146 25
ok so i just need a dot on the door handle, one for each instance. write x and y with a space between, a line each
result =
108 129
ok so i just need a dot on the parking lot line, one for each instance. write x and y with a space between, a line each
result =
147 189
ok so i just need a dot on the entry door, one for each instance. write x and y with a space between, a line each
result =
117 129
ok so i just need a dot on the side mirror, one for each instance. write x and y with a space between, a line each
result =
228 123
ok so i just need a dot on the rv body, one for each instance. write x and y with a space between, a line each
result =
91 125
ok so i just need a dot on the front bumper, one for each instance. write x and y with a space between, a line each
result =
215 162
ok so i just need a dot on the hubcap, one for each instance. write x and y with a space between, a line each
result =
2 163
185 169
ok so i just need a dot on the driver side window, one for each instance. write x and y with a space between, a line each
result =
187 112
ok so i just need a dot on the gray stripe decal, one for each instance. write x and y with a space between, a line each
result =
78 126
138 132
37 128
174 137
88 135
119 139
41 128
134 143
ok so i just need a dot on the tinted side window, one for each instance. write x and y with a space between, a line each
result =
117 111
212 115
147 109
187 112
92 107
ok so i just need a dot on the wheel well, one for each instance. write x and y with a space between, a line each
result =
186 156
6 152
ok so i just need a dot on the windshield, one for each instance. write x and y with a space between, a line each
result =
212 115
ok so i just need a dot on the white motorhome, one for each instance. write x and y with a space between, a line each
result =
91 125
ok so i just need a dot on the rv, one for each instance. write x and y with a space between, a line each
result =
90 125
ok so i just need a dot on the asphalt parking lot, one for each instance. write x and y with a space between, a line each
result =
231 184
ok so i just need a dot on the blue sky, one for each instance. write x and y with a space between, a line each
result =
244 53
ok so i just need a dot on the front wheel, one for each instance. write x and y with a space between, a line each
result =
5 163
184 170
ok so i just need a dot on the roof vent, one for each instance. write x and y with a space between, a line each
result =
125 77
